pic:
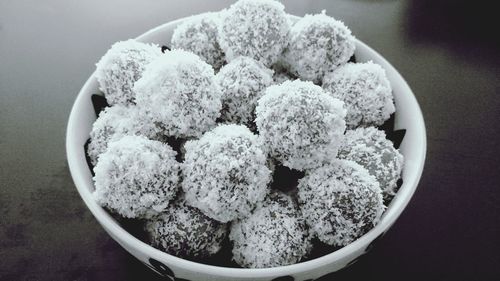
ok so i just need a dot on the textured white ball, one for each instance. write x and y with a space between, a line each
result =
369 148
199 35
121 67
136 177
254 28
318 44
365 90
180 94
184 231
114 123
300 124
242 82
275 234
225 173
340 201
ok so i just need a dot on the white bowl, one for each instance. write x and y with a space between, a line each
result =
408 116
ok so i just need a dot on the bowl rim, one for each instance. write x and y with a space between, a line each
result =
76 163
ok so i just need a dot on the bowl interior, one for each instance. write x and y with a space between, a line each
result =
408 116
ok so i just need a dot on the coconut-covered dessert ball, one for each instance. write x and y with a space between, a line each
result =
185 232
180 94
275 234
114 123
121 67
225 173
242 82
301 125
340 201
199 35
370 148
318 44
136 177
365 90
254 28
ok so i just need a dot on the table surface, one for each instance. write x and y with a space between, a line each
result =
447 51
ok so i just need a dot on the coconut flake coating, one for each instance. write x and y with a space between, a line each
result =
340 201
242 82
180 94
199 35
185 232
121 66
365 90
114 123
318 44
370 148
136 177
275 234
254 28
301 125
225 173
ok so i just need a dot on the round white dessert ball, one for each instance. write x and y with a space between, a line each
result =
365 90
180 94
242 82
254 28
121 66
318 44
185 232
301 125
225 173
136 177
274 234
114 123
370 148
340 201
199 35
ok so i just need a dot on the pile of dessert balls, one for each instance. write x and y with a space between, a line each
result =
244 91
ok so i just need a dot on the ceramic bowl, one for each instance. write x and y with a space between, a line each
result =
408 116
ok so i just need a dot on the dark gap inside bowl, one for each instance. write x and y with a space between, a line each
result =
320 249
388 126
133 226
352 59
99 102
176 144
396 137
87 157
165 48
286 179
222 258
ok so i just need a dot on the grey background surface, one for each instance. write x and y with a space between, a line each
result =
447 51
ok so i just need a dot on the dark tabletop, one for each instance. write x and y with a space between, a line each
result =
447 50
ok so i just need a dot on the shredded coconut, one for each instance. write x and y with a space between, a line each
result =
180 94
254 28
369 148
114 123
340 201
242 82
318 44
275 234
136 177
301 125
199 35
225 172
184 231
121 66
365 90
